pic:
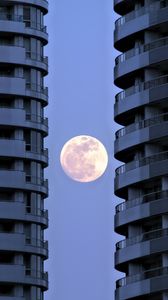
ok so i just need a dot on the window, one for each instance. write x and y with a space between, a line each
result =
27 16
5 13
27 263
5 196
6 290
7 227
27 45
28 202
163 3
27 140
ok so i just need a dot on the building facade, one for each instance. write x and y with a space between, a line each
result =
141 71
23 157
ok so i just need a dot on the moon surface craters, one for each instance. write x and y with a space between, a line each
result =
84 158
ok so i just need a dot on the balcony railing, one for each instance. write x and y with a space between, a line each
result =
141 87
36 274
139 12
40 213
37 88
37 57
142 276
37 119
142 124
141 200
142 162
19 18
138 50
36 180
36 243
35 25
36 150
29 54
155 234
29 86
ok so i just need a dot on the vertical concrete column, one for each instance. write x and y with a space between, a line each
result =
18 291
164 183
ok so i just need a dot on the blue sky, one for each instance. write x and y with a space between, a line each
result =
81 237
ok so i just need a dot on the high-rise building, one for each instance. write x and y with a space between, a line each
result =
141 71
23 158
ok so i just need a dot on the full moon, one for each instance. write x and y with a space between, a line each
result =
84 158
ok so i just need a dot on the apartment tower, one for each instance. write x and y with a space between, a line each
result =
23 158
141 145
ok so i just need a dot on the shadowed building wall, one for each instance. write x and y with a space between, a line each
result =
141 71
23 158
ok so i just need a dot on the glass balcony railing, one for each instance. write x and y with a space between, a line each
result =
142 124
156 82
141 200
142 276
142 238
142 162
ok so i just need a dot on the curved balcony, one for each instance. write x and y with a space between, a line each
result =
42 4
40 217
17 54
143 162
140 170
17 86
156 82
34 277
36 60
142 124
150 282
131 136
128 64
40 155
141 49
37 184
15 210
132 23
13 23
18 148
14 273
140 209
142 276
17 179
139 250
141 200
36 246
17 117
133 98
17 242
37 122
142 238
37 91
